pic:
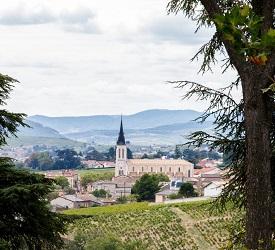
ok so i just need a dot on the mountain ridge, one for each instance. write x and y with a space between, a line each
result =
141 120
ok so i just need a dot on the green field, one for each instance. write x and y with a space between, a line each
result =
82 172
179 226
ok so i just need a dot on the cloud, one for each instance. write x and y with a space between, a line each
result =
21 15
176 29
80 19
63 71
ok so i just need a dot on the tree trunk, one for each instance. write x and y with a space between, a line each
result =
258 120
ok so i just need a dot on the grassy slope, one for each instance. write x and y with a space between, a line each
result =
49 141
177 226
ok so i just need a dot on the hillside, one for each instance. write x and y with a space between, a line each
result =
38 134
22 140
141 120
38 130
166 134
179 226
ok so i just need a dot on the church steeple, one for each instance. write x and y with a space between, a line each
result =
121 138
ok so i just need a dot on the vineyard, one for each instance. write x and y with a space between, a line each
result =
178 226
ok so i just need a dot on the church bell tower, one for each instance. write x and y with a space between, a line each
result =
121 168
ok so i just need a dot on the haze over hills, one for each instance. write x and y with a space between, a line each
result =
39 130
37 134
142 120
158 126
166 134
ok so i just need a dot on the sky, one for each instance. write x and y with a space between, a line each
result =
88 57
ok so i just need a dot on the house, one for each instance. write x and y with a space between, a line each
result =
168 189
214 188
98 164
70 175
119 186
162 196
72 201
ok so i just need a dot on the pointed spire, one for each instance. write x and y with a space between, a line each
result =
121 138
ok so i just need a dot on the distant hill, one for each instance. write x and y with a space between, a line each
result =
37 129
48 141
142 120
37 134
156 126
166 134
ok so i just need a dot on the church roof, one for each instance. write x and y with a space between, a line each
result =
121 138
158 162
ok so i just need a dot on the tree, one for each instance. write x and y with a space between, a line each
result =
161 177
146 187
159 154
245 31
25 220
66 159
95 155
129 154
40 161
178 153
144 156
69 190
111 155
62 182
187 190
100 193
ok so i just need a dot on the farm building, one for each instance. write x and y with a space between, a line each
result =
213 189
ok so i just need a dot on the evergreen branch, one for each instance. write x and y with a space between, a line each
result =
208 51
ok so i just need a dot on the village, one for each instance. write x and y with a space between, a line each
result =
207 179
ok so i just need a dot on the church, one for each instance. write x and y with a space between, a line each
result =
174 169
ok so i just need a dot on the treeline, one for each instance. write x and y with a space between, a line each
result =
59 159
68 158
187 154
92 154
195 156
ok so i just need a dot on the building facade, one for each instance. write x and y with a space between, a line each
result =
137 167
70 175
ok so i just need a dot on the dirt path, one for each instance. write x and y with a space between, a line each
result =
189 224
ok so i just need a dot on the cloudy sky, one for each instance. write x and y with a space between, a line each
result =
86 57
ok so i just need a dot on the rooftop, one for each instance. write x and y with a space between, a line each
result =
159 162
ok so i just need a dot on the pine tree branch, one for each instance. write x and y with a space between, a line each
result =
213 9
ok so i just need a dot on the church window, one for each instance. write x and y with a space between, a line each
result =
189 173
119 155
122 154
160 169
133 169
151 169
141 169
170 169
179 169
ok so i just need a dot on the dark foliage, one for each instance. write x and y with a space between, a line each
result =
60 159
187 190
26 221
146 187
